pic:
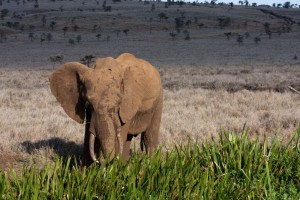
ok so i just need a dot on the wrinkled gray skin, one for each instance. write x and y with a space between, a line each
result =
118 98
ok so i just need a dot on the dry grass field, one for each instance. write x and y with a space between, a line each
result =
211 83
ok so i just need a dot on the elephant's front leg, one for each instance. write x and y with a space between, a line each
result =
151 135
124 141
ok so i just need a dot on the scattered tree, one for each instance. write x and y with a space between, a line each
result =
247 35
186 35
78 38
257 40
49 37
224 21
295 57
55 59
267 29
4 13
52 24
153 7
98 36
75 28
125 31
44 20
228 35
65 29
31 36
173 35
179 22
43 38
240 40
71 41
162 16
87 60
287 4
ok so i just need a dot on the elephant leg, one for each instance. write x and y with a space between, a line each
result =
124 142
151 135
126 148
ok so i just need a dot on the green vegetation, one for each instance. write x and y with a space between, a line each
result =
233 167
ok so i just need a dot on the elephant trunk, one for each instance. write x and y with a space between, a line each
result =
106 134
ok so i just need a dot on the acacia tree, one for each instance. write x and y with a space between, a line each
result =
87 60
57 58
287 4
65 29
31 36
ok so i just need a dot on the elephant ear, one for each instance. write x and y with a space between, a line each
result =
131 100
66 86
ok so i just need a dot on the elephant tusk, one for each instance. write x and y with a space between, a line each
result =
91 147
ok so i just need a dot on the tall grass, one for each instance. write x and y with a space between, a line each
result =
232 167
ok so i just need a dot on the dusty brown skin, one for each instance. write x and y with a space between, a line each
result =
118 98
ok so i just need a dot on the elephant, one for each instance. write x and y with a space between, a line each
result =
116 98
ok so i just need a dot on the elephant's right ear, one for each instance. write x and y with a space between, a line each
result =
66 86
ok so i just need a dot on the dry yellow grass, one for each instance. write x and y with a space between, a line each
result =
33 123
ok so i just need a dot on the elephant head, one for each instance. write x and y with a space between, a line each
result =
114 90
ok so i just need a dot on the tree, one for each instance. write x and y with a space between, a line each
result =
125 31
162 16
179 22
71 41
78 38
267 29
44 20
31 36
57 58
153 7
75 28
240 40
4 13
224 21
87 60
173 35
65 29
228 35
49 37
186 35
287 4
98 36
43 38
52 24
257 40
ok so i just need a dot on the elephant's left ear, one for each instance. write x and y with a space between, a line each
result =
132 99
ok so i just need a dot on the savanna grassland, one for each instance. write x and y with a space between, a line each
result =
222 68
